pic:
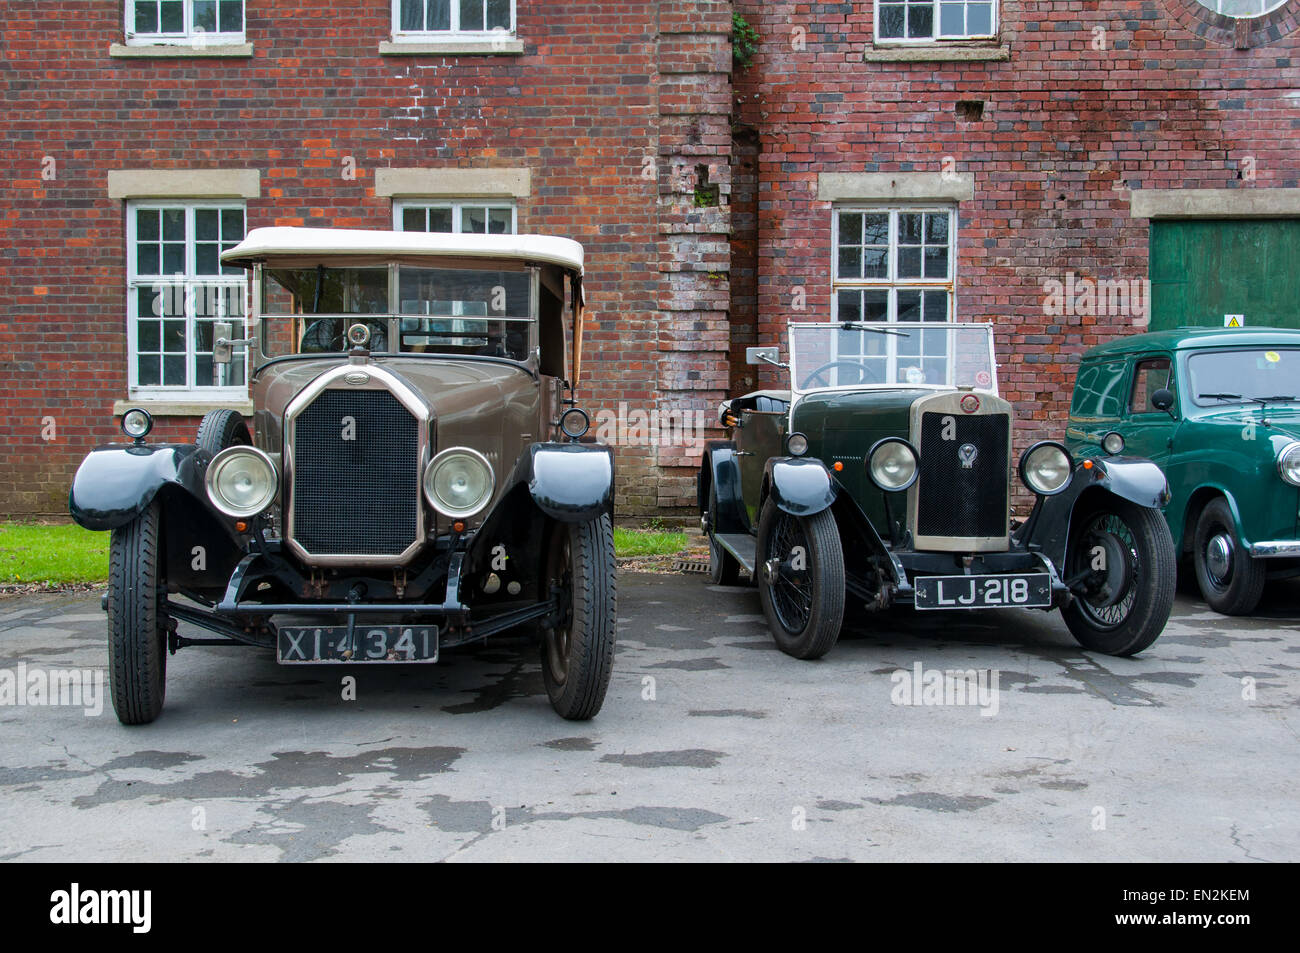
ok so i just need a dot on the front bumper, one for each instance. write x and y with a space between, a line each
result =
911 564
1276 549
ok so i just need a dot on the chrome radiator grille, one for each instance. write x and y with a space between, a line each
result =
356 475
959 501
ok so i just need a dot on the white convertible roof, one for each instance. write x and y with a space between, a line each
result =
282 241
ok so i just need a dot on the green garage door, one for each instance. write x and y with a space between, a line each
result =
1202 270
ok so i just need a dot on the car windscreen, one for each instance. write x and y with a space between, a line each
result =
906 353
1246 375
468 311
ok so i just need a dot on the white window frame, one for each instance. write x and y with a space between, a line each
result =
454 32
189 37
457 207
1218 4
936 36
191 389
891 282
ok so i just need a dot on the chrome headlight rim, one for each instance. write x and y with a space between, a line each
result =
134 413
1291 449
452 512
796 445
1109 441
218 465
882 445
1026 461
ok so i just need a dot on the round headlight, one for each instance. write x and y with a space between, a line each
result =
1046 468
241 481
1288 463
136 423
796 444
574 423
892 464
459 482
1112 443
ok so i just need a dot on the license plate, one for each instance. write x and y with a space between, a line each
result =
368 643
1033 590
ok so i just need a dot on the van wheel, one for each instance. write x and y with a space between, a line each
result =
1230 579
578 649
220 429
799 566
137 620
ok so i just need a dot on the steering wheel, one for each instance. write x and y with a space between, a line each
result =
862 369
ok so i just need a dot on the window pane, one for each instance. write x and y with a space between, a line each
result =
173 259
232 16
439 15
473 220
891 21
909 308
174 371
909 229
146 225
936 229
498 14
471 14
850 263
909 262
936 306
173 16
920 20
413 220
875 263
440 220
173 336
173 225
146 16
850 306
148 336
205 259
411 15
951 20
850 228
205 224
499 221
979 19
146 259
936 262
875 305
205 15
875 230
147 370
232 225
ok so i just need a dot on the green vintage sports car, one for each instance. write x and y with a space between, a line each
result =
883 477
1219 411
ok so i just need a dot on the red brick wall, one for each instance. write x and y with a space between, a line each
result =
581 108
1066 129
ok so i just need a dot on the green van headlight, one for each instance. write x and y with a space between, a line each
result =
1288 463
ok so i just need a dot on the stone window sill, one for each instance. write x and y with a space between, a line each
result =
182 408
928 53
174 51
453 48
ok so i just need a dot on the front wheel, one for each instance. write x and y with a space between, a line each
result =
578 648
1230 579
800 573
1120 565
137 622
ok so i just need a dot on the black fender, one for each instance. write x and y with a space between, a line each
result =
801 486
570 482
1129 478
721 469
115 484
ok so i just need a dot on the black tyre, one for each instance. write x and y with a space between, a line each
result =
724 569
578 651
1120 562
137 620
1230 579
800 574
220 429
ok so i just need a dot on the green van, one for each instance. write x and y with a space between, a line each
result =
1219 411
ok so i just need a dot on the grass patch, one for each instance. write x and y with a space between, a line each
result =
648 542
52 555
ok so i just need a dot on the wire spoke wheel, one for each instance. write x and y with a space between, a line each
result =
800 572
1112 554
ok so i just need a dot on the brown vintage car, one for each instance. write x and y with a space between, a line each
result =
413 481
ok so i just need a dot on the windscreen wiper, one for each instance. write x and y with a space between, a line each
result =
855 326
1275 399
1218 397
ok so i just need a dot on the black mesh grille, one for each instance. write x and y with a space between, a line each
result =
358 496
951 499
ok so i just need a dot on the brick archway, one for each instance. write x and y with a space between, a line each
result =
1223 30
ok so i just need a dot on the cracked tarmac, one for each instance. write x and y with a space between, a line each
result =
702 752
